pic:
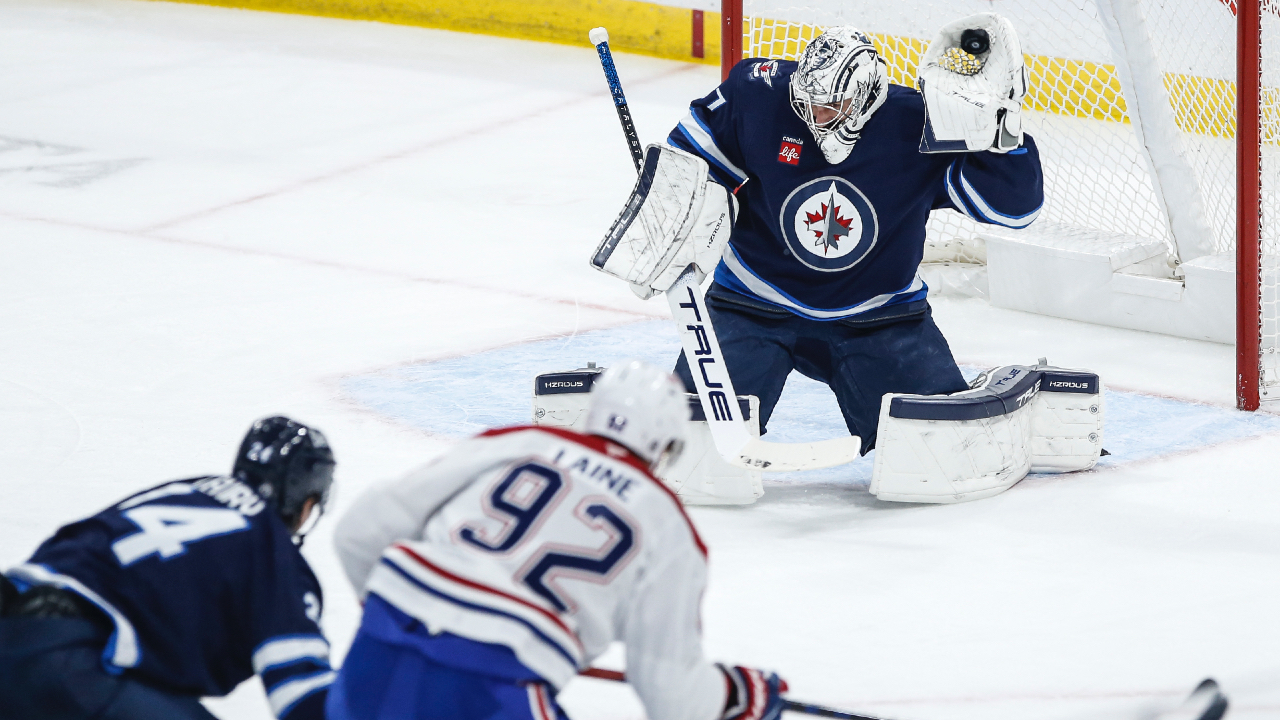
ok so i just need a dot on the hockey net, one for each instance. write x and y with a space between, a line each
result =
1166 179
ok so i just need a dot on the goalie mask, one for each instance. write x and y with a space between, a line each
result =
839 84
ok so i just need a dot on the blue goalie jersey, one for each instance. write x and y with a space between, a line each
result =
204 587
832 241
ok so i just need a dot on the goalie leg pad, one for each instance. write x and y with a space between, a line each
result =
700 476
978 443
676 217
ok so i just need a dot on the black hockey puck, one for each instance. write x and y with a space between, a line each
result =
975 41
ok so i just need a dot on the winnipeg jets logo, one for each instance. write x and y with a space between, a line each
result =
828 224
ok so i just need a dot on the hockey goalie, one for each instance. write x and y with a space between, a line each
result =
814 251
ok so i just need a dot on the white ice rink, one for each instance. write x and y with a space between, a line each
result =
211 215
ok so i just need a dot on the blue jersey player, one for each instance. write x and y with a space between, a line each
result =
834 183
177 592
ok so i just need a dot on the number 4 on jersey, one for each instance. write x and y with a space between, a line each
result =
165 529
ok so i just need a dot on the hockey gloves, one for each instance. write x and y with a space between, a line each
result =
973 79
676 217
753 694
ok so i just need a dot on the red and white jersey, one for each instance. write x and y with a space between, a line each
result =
554 544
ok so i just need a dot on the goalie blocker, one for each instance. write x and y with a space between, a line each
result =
975 444
675 217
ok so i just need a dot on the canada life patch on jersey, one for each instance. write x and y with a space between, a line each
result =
828 224
790 152
765 71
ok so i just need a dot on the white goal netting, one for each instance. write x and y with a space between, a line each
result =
1133 106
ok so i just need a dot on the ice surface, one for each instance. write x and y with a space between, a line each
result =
458 397
210 215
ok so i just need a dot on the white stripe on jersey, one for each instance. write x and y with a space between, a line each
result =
287 694
700 136
289 649
122 649
768 292
961 205
539 703
538 636
990 214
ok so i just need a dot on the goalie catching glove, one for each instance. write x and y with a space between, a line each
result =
973 80
676 217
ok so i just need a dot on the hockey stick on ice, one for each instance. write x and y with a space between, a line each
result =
789 705
1207 702
702 349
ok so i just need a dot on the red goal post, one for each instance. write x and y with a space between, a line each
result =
1085 108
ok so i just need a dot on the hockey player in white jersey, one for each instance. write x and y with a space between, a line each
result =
492 576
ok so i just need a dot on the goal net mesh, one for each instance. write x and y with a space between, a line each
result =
1099 183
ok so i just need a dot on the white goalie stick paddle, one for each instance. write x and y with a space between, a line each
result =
706 362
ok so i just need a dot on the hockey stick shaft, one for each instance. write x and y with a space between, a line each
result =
600 38
707 366
715 389
790 705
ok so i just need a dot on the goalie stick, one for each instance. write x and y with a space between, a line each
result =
1207 701
706 362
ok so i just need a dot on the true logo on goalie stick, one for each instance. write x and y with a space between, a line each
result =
790 152
829 225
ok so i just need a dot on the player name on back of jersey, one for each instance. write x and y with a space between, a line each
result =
232 493
585 463
226 490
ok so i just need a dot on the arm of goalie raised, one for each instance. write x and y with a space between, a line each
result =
973 79
676 217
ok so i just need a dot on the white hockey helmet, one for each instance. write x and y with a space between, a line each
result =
642 408
841 72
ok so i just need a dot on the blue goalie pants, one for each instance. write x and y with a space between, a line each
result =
52 669
397 670
895 349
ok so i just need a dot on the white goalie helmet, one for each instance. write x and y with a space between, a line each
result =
642 408
839 74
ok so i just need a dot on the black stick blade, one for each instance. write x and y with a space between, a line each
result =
1207 702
